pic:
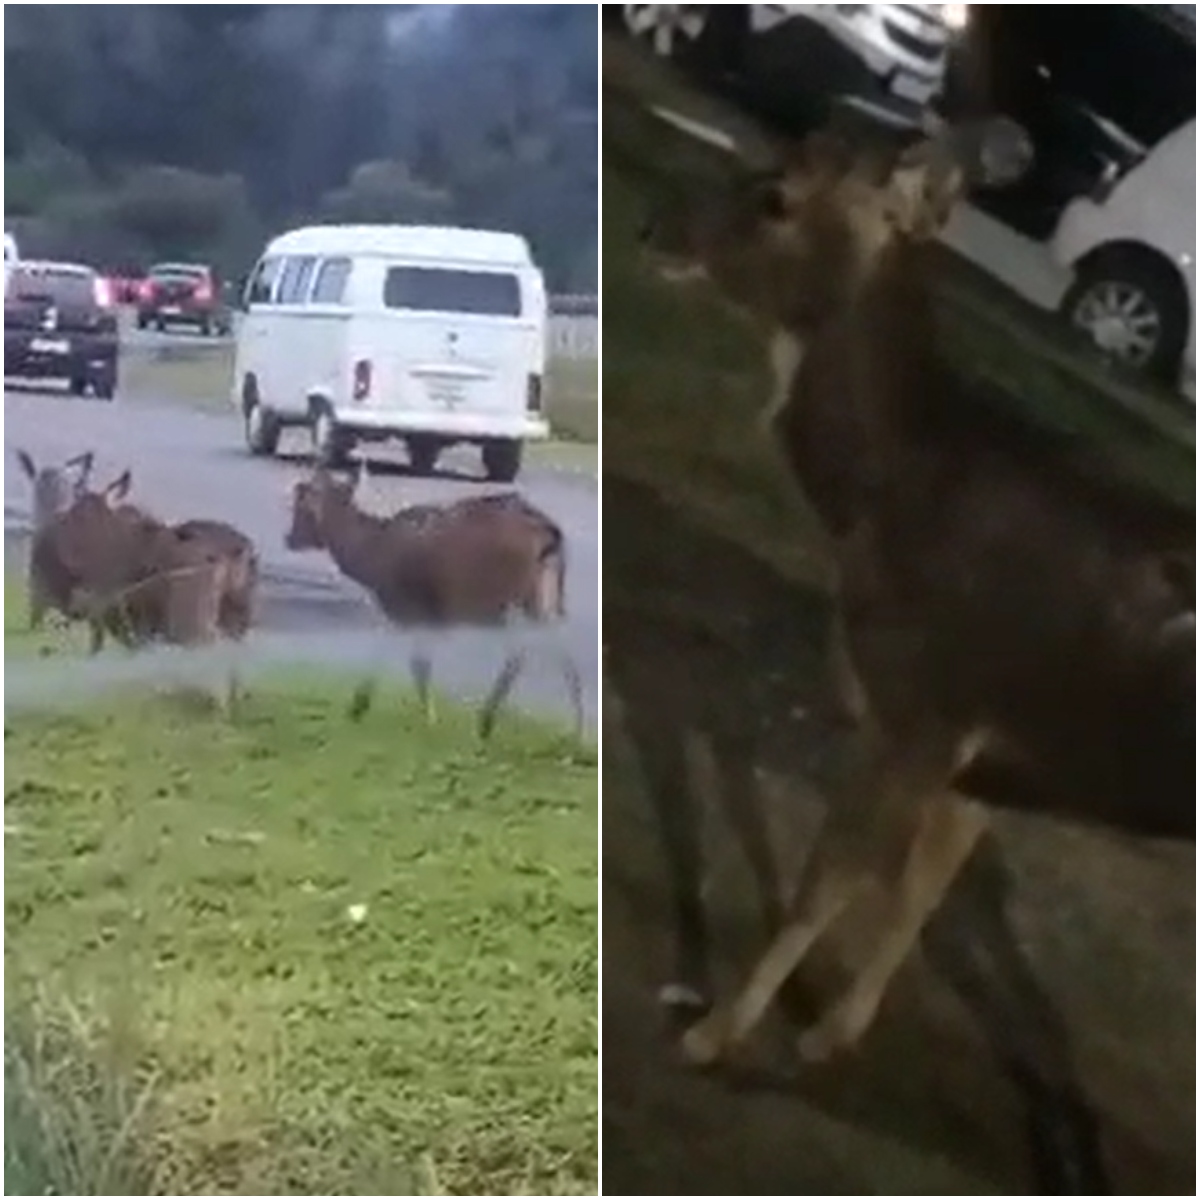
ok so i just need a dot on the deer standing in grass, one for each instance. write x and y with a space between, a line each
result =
477 562
1015 628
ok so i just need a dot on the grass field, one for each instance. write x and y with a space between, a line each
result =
200 375
53 638
295 955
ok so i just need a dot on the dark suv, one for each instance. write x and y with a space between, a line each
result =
58 324
182 294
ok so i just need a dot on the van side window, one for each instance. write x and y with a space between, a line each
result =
330 285
262 282
296 275
439 289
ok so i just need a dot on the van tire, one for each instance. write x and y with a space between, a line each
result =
423 454
262 426
502 459
331 443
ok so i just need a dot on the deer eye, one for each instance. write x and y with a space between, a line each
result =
771 203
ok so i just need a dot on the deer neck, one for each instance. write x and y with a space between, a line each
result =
352 539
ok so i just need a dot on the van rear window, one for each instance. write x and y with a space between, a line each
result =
435 289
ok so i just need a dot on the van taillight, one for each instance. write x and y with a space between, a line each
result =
203 292
103 292
533 394
362 379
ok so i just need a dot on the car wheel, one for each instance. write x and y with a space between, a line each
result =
160 325
206 328
1134 308
331 443
142 321
104 385
502 460
262 429
78 385
423 454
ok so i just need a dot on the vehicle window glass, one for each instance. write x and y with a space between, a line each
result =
434 289
294 284
330 285
189 274
62 287
262 282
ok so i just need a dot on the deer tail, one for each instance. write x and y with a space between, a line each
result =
552 575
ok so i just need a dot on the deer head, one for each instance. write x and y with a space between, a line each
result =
792 234
314 500
53 489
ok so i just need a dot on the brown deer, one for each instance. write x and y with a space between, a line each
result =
1016 628
132 577
477 562
54 491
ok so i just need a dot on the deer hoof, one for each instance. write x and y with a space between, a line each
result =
704 1044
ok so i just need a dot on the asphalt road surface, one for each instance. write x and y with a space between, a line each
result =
193 464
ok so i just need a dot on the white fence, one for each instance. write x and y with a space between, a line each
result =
574 327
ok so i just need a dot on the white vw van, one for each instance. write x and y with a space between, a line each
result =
364 333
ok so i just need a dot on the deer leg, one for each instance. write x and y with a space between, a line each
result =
421 666
949 829
868 826
494 701
739 795
660 750
574 682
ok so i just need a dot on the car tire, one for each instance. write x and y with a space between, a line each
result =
502 459
78 385
331 442
160 325
260 425
423 454
1133 306
704 36
142 321
104 385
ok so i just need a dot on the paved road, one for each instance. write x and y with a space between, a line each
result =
192 464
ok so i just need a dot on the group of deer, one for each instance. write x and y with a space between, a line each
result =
1013 629
476 562
99 559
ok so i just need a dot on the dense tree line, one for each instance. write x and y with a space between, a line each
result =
134 132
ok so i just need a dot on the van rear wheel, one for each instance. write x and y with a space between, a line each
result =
262 429
502 459
331 443
423 454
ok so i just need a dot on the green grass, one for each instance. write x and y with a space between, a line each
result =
20 641
572 399
200 376
195 882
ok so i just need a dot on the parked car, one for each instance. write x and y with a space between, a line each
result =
1130 249
58 324
1095 86
183 294
364 333
793 59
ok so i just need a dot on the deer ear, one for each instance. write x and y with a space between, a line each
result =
119 488
27 464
